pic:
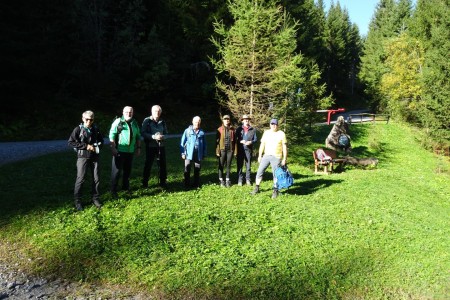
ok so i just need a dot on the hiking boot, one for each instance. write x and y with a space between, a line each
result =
274 194
228 183
222 183
78 206
249 183
97 204
255 191
240 183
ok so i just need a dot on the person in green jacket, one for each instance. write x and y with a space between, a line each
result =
125 140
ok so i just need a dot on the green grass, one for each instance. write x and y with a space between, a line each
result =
361 234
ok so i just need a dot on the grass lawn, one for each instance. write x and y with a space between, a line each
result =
378 233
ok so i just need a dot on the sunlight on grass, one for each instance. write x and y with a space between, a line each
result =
380 233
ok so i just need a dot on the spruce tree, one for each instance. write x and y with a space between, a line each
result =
344 47
372 60
431 25
257 67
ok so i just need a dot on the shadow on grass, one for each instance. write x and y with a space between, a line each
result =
312 185
275 277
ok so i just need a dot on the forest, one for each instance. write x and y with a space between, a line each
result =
60 58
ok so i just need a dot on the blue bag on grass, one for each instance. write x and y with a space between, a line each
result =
284 177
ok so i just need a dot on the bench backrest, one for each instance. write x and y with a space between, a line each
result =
330 153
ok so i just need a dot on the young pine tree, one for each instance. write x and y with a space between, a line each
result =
256 63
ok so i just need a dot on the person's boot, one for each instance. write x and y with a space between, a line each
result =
187 181
197 178
274 193
163 184
228 183
256 190
78 205
97 203
222 183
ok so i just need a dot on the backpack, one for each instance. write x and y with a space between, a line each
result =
83 136
344 141
322 156
284 177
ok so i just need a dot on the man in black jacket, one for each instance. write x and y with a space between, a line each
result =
245 138
87 140
153 131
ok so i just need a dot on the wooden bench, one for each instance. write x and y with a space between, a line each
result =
326 166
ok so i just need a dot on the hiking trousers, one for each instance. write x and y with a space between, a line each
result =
152 153
267 160
121 162
244 155
83 164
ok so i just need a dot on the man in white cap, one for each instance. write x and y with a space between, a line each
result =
274 147
245 138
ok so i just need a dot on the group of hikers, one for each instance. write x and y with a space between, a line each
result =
126 137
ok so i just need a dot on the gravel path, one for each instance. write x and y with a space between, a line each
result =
16 285
15 151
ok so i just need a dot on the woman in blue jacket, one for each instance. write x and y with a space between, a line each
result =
193 148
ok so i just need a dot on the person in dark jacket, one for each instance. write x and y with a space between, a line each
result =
153 131
245 139
87 140
225 148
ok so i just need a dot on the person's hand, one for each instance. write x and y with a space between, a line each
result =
218 154
242 142
183 156
283 162
90 148
114 151
158 137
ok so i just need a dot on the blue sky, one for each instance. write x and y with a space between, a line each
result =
360 11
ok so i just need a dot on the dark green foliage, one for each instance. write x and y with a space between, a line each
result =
431 24
344 47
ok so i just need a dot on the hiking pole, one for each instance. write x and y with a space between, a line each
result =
158 162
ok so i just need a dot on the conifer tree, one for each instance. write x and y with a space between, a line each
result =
390 19
257 67
372 60
344 47
431 25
